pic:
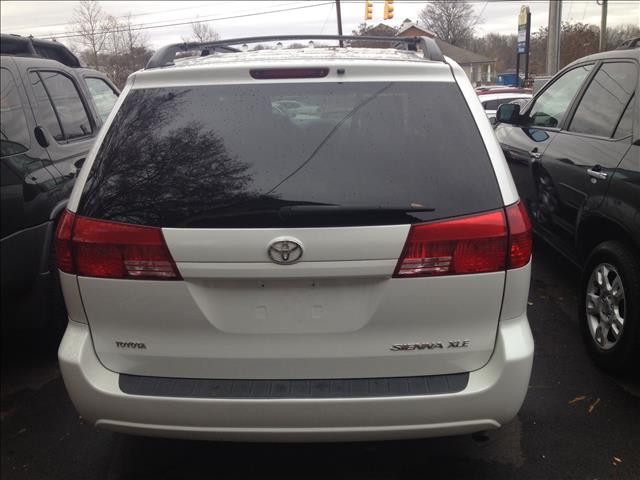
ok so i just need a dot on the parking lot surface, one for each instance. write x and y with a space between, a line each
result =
576 422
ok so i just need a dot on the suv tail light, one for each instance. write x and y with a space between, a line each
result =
520 240
98 248
488 242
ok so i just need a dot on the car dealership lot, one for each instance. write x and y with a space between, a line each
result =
576 422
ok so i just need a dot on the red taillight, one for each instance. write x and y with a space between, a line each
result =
98 248
487 242
520 241
273 73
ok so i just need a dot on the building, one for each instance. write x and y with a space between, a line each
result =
477 67
410 29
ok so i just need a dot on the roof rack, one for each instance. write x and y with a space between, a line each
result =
33 47
166 55
629 44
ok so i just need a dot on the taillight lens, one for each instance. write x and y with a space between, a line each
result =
106 249
520 239
472 244
488 242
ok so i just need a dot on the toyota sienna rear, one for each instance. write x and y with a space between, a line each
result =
235 270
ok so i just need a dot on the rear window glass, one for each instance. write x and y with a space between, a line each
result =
44 108
69 108
103 96
14 133
234 156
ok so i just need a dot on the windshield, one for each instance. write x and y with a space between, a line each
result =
182 156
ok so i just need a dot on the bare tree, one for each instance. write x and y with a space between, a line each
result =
113 42
201 32
132 36
127 49
618 34
90 22
501 48
453 21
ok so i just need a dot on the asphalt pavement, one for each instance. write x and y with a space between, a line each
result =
576 422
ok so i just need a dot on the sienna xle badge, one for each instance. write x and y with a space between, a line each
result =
354 269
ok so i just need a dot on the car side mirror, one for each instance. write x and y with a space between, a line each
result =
508 113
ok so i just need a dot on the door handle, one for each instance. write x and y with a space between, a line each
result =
41 138
535 154
592 172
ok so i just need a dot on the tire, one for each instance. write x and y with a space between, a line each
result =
610 317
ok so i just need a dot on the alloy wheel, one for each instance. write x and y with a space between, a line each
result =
605 305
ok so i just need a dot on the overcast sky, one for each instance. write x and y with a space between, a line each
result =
43 19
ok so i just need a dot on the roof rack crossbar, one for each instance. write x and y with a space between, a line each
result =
166 55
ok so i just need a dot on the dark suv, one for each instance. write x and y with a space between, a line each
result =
52 110
574 153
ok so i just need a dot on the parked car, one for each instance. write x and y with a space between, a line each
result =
522 102
540 81
51 113
102 92
492 89
232 275
574 153
294 107
491 102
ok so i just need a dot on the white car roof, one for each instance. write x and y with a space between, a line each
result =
373 64
292 54
503 96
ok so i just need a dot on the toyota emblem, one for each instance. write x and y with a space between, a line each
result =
285 252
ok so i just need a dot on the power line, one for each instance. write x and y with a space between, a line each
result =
119 16
200 19
49 34
482 11
326 19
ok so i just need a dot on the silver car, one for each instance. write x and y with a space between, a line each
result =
233 275
491 102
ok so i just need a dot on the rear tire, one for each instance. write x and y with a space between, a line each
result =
609 307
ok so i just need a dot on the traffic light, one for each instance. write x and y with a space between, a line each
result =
368 10
388 9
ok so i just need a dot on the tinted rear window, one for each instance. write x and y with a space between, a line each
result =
232 156
14 132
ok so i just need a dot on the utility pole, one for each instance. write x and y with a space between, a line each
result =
528 47
603 26
553 39
339 14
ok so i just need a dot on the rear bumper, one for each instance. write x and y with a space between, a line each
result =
492 397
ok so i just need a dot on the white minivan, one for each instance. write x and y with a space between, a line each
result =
231 274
